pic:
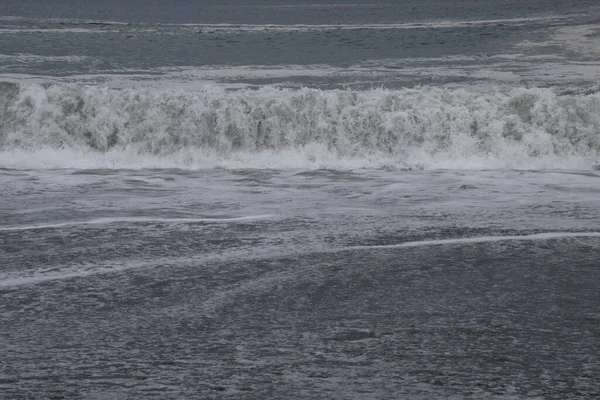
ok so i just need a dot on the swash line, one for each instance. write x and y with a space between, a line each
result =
12 281
383 26
480 239
106 221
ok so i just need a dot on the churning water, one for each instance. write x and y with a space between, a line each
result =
260 199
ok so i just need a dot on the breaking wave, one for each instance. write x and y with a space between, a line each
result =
77 126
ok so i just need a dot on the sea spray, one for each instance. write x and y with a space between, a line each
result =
280 128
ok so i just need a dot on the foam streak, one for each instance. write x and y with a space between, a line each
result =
106 221
17 281
475 240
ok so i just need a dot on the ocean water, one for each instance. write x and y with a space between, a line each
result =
300 199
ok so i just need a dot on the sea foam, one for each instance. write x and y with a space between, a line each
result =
79 126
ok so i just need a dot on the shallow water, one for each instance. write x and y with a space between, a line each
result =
178 284
299 200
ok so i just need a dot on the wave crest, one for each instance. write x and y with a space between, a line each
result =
423 127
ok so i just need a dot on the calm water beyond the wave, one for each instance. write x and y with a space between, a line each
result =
299 199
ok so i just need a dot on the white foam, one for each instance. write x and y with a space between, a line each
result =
82 271
41 278
114 220
235 28
475 240
63 20
79 126
323 5
583 40
474 72
13 31
11 279
312 156
35 58
94 27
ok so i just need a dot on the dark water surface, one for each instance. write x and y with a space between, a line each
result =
299 285
72 37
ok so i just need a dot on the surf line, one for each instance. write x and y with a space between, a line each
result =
106 221
474 240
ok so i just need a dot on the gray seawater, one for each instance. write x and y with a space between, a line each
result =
325 200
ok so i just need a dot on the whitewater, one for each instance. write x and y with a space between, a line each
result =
325 200
76 126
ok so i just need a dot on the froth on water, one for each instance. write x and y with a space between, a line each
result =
73 126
